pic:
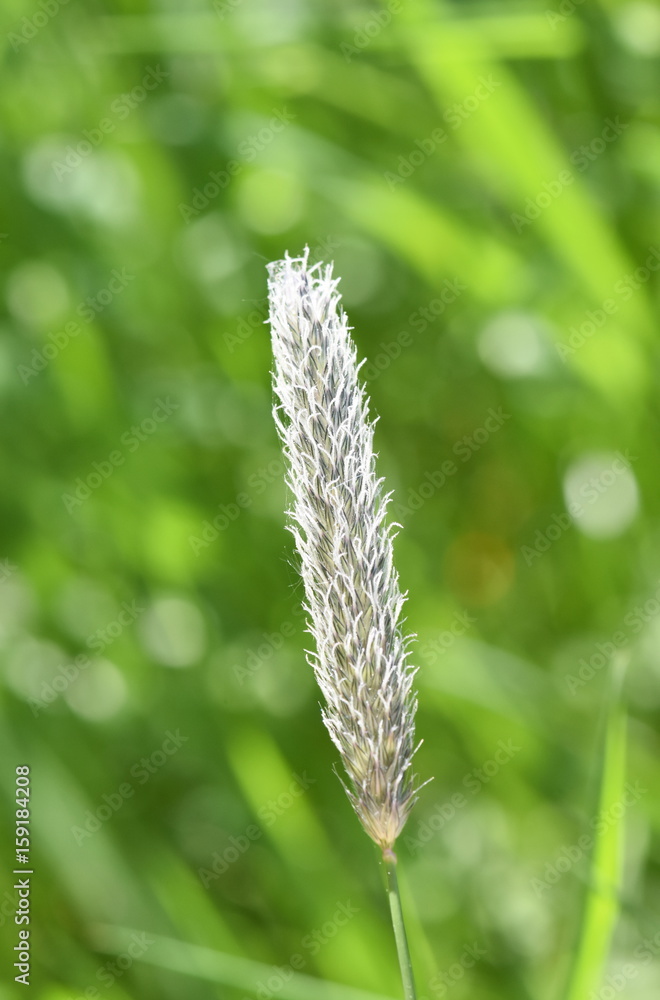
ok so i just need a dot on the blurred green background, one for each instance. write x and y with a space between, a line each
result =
485 177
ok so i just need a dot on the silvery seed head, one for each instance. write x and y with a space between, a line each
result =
338 520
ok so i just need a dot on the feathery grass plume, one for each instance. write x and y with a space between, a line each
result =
338 522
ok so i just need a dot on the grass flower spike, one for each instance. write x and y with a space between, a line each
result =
338 519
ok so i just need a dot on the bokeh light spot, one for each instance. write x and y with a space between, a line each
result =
601 494
83 606
481 568
270 201
515 345
176 119
638 27
37 294
98 693
173 632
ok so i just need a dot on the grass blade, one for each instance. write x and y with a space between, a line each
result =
601 903
230 970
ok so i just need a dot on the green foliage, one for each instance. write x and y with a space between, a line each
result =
485 177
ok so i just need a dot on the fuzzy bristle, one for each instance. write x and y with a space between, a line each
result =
338 520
